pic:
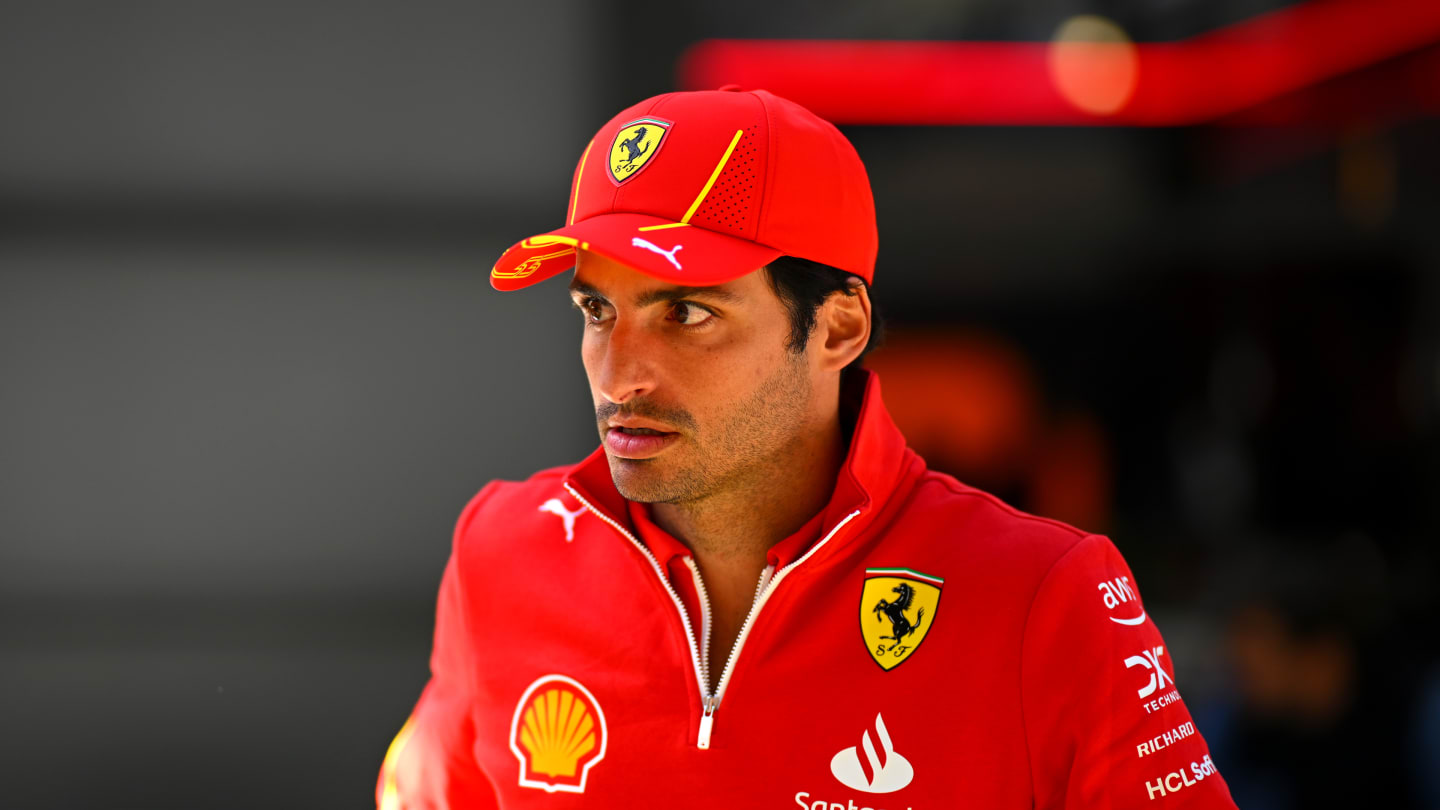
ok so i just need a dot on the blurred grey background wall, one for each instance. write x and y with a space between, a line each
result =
251 367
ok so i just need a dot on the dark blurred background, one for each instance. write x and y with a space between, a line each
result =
251 366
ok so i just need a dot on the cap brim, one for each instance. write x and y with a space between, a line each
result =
666 250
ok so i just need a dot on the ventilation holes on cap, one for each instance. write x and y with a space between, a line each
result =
728 205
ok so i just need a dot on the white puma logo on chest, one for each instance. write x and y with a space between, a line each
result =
555 507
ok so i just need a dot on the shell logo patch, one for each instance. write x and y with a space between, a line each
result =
897 610
635 146
558 734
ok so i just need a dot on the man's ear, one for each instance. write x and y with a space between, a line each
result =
843 326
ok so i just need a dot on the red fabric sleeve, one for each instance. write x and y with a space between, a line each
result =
430 765
1104 721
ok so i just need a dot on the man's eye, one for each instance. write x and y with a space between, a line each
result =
691 314
594 311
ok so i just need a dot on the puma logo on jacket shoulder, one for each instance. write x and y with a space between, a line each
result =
555 507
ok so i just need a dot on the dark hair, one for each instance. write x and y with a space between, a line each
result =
803 286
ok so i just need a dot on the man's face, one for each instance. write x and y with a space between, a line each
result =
695 391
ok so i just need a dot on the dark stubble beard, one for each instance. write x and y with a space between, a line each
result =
747 449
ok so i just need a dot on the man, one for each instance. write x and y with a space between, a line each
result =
736 601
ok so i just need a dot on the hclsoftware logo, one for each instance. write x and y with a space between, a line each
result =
873 766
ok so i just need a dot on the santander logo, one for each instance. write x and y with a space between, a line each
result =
873 766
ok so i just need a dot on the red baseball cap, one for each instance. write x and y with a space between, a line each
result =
699 188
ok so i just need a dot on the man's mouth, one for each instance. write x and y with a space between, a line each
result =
638 443
639 431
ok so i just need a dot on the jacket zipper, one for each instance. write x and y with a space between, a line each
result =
674 597
701 660
766 588
704 624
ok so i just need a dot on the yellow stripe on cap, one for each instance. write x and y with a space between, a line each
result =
579 176
715 175
663 227
529 266
547 239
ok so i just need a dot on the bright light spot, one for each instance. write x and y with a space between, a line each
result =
1093 64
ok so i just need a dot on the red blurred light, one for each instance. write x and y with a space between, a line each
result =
1178 83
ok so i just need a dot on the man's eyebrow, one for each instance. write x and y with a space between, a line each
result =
662 294
668 294
581 288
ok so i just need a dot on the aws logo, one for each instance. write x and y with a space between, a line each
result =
1116 592
558 734
635 146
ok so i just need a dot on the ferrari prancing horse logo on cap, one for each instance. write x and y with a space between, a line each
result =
634 146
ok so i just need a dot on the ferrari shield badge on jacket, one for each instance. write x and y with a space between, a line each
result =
1038 680
911 595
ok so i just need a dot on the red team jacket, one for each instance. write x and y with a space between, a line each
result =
934 648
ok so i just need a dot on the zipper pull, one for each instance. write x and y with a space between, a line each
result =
707 722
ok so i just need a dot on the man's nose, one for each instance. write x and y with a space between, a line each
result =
627 364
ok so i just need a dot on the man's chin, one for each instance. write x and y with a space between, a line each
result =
641 480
